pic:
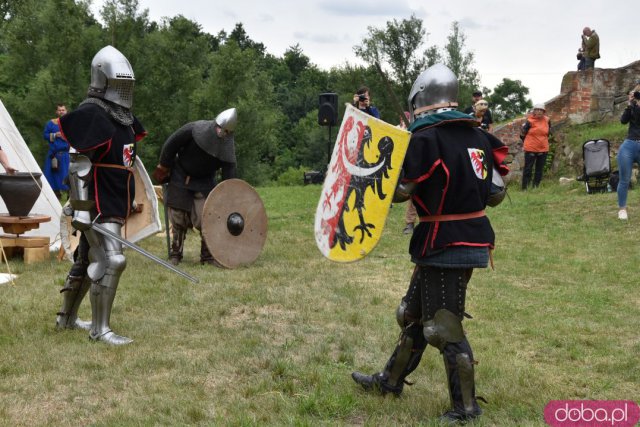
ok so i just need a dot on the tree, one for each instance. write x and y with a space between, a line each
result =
398 47
167 79
47 47
461 63
508 99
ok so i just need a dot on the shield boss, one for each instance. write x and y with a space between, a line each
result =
234 223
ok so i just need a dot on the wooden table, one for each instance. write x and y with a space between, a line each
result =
33 248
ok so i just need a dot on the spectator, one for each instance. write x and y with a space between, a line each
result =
535 133
591 43
629 152
56 164
362 101
487 118
483 115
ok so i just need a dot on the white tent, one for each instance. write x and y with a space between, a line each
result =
21 159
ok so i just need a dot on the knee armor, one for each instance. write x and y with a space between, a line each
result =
444 328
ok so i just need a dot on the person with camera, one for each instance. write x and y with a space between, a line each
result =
629 150
479 108
362 101
591 43
56 164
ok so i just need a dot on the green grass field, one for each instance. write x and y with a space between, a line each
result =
275 343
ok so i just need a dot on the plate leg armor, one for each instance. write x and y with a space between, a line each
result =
408 352
75 288
107 265
79 175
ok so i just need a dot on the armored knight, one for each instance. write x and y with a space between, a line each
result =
447 174
189 162
104 133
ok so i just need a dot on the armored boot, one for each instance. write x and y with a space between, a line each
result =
74 290
177 245
403 361
101 303
458 361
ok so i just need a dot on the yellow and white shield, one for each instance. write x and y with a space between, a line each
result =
357 191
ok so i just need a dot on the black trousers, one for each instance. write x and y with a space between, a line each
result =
531 159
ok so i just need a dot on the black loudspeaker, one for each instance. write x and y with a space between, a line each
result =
328 110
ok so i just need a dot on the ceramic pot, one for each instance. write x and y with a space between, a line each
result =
20 191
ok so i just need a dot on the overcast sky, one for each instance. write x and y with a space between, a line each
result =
533 41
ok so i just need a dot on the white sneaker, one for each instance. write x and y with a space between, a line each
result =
622 214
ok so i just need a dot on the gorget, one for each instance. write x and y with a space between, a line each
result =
204 134
117 112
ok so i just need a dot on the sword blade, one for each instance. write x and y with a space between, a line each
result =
100 229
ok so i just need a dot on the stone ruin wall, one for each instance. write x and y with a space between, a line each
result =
593 95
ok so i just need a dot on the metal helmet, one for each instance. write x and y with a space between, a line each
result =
435 90
228 120
112 77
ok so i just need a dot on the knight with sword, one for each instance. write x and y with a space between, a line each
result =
105 133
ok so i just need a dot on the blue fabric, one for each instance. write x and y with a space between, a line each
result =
60 149
457 257
628 154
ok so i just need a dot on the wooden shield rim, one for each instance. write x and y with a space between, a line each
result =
230 196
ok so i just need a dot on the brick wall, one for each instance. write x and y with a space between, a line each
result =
585 96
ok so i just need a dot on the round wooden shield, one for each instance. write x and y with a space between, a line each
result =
234 223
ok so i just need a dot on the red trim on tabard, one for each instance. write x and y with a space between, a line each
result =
474 244
436 226
108 142
140 136
426 175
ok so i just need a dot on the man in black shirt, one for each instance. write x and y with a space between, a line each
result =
189 160
487 118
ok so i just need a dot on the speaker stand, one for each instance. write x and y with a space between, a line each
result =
329 149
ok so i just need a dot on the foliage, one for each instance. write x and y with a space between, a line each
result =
397 46
292 176
275 343
508 100
185 74
460 62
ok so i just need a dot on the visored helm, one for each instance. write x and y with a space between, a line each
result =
435 90
112 77
228 120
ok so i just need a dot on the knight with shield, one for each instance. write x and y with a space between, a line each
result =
189 161
448 171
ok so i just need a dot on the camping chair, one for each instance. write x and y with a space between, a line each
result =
597 165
